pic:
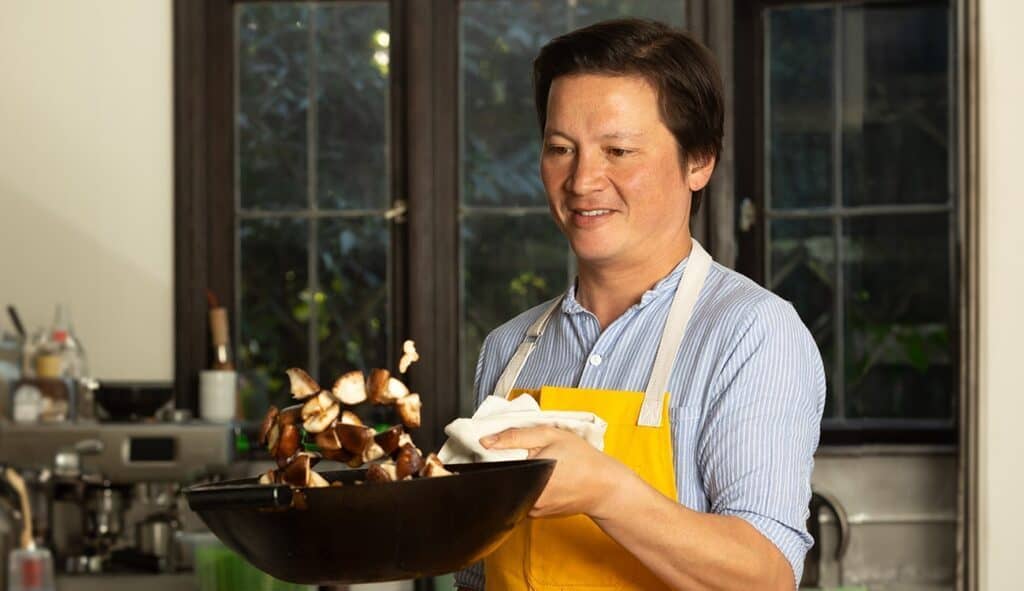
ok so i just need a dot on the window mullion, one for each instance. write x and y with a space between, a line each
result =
839 304
311 189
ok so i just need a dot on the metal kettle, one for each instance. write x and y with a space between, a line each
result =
823 501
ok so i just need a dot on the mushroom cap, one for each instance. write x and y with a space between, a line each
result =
409 409
409 462
353 438
269 420
288 441
390 439
381 473
296 471
290 415
302 385
350 388
350 418
432 467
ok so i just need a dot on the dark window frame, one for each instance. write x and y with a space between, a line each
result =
424 286
748 116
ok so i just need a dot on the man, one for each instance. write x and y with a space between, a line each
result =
707 486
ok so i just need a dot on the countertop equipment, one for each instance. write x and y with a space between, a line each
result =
372 531
106 496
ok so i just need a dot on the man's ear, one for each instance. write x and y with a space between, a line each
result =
698 172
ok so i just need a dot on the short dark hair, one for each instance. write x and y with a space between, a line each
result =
681 70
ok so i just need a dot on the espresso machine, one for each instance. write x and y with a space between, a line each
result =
105 496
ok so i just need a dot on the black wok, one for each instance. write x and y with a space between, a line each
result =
372 531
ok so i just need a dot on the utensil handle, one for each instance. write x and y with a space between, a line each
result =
26 510
16 321
248 496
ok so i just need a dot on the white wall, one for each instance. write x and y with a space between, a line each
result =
1002 292
86 175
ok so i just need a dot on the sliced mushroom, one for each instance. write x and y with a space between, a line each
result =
350 418
268 423
327 440
319 412
433 467
302 385
409 356
290 415
337 455
354 438
269 477
385 389
390 439
409 462
285 440
299 471
296 473
316 481
409 409
350 388
372 452
381 473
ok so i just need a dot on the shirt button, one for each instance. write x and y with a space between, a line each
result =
595 360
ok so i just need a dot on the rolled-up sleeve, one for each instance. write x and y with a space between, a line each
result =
756 449
471 577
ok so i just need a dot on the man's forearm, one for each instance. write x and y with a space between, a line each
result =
687 549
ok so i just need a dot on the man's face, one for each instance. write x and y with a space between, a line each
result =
612 170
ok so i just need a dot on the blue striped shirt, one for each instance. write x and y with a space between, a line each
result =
746 394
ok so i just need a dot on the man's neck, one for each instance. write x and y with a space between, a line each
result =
609 290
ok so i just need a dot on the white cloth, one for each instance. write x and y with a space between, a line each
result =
497 414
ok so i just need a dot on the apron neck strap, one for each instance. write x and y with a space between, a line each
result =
672 334
508 377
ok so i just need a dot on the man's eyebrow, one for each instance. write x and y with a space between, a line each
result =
611 135
550 132
622 135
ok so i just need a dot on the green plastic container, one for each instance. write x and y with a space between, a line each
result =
220 569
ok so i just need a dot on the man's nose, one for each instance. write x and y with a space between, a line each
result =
588 174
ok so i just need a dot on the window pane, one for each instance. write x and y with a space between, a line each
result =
800 113
273 55
500 140
509 264
896 90
898 311
353 298
352 105
803 260
274 308
671 12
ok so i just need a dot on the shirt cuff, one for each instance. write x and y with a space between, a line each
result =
792 543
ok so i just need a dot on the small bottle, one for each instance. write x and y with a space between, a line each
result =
67 346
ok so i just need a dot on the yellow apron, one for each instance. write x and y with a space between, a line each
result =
572 552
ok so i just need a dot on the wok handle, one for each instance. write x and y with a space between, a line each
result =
244 496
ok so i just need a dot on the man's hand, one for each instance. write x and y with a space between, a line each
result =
584 479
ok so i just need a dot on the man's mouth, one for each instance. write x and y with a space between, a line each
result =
592 212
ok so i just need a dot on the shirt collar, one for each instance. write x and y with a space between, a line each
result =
665 287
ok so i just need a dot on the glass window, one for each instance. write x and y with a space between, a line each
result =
859 199
513 256
313 182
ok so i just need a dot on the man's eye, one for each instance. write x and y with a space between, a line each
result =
618 152
558 150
